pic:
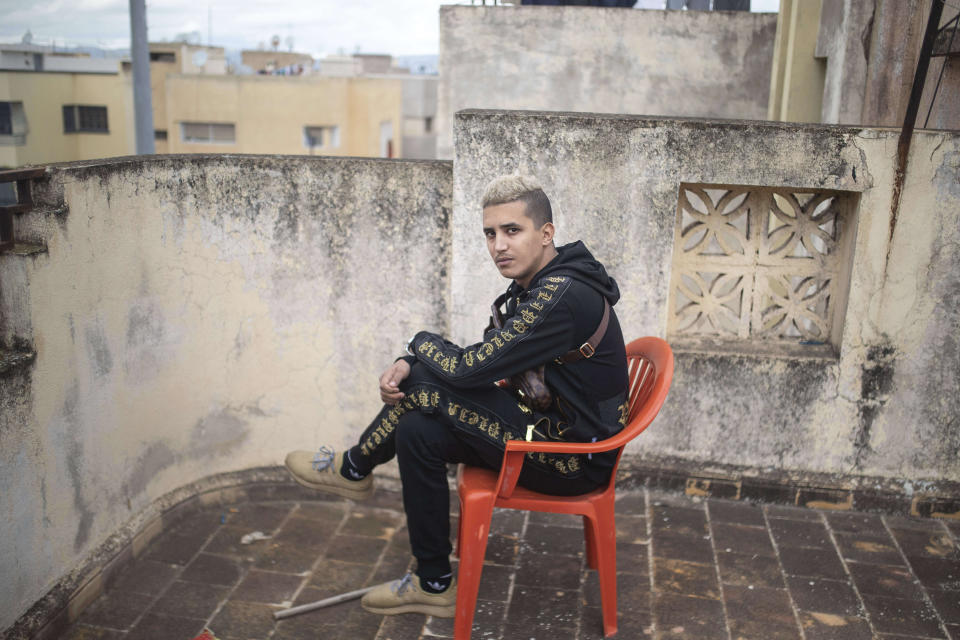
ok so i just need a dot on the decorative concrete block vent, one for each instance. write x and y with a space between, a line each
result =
761 270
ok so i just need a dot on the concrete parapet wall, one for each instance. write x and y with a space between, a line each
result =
199 315
883 404
193 316
677 63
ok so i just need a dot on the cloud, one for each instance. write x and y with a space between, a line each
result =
397 26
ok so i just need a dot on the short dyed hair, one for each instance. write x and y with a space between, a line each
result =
525 189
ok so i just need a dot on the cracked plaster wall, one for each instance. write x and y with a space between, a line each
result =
885 406
678 63
197 315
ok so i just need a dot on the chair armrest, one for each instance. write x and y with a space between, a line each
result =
516 451
546 446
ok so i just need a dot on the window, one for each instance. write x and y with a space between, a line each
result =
321 136
162 56
159 134
6 119
84 119
386 139
13 124
208 132
761 269
427 124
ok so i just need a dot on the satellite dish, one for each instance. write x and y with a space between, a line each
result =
199 58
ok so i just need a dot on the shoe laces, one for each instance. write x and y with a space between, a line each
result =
323 458
402 584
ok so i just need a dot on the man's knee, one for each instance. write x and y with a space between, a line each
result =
420 374
422 436
413 430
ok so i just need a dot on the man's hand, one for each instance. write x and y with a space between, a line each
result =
390 382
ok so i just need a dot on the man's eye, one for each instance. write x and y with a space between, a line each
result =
513 230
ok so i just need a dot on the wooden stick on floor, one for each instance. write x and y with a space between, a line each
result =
320 604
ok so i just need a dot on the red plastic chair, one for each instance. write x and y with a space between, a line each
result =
651 371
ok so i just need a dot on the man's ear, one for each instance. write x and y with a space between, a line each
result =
547 231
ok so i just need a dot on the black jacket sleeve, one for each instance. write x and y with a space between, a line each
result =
541 328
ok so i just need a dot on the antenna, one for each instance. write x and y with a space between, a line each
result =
209 25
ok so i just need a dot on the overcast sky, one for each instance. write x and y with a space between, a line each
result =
399 27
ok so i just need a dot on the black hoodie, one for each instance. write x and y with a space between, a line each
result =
558 312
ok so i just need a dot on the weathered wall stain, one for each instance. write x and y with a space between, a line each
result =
755 405
218 434
145 325
877 375
73 456
149 345
155 458
98 350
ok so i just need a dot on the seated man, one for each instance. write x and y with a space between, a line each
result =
442 404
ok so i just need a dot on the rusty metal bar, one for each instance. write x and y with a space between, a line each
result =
906 133
29 173
6 230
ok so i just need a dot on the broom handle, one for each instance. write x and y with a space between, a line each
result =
319 604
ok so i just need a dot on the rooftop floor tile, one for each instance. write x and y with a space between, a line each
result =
687 568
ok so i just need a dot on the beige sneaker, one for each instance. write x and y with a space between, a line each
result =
406 596
321 471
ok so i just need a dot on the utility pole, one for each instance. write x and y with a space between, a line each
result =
140 55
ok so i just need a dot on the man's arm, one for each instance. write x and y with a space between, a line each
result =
541 329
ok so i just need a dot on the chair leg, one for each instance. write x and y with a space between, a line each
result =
607 566
590 541
472 543
456 546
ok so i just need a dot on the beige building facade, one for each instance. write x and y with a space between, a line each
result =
200 107
51 116
276 114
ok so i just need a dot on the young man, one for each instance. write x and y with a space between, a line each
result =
442 404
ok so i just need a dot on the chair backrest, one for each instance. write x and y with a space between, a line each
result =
650 367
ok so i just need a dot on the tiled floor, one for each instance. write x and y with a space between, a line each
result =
697 569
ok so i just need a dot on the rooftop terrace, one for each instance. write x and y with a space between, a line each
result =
171 326
688 568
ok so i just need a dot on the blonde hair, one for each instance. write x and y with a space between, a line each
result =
523 188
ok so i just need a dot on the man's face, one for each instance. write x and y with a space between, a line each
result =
517 247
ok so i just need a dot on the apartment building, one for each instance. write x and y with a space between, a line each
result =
61 106
56 107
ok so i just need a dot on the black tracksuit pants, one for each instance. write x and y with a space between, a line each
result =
436 424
